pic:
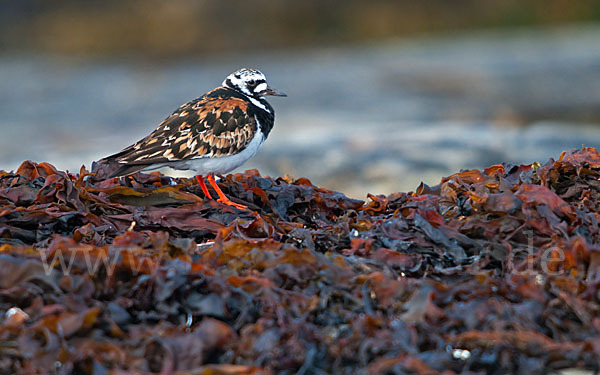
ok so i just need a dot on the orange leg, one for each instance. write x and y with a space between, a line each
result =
200 180
222 198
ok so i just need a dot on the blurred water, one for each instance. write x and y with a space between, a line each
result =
374 118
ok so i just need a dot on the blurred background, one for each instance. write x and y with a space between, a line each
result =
382 94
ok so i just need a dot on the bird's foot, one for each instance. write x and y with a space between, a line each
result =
222 197
229 202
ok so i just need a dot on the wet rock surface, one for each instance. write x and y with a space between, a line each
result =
491 271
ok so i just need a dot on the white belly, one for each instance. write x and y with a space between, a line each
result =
219 165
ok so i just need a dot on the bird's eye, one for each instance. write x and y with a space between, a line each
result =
251 83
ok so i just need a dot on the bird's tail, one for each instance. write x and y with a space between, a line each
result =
105 170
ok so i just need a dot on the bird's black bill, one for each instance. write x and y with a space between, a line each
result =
273 92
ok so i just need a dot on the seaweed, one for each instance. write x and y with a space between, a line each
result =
490 272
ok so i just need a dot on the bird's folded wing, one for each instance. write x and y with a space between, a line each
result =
203 128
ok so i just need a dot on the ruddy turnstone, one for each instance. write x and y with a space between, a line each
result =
213 134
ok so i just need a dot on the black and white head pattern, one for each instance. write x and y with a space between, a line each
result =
249 81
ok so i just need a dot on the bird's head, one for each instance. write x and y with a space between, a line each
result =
250 82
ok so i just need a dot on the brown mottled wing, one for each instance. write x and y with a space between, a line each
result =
212 126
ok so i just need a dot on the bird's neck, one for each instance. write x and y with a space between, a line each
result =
261 103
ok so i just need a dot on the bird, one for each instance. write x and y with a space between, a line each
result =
211 135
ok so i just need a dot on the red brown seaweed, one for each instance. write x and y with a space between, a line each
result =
490 272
